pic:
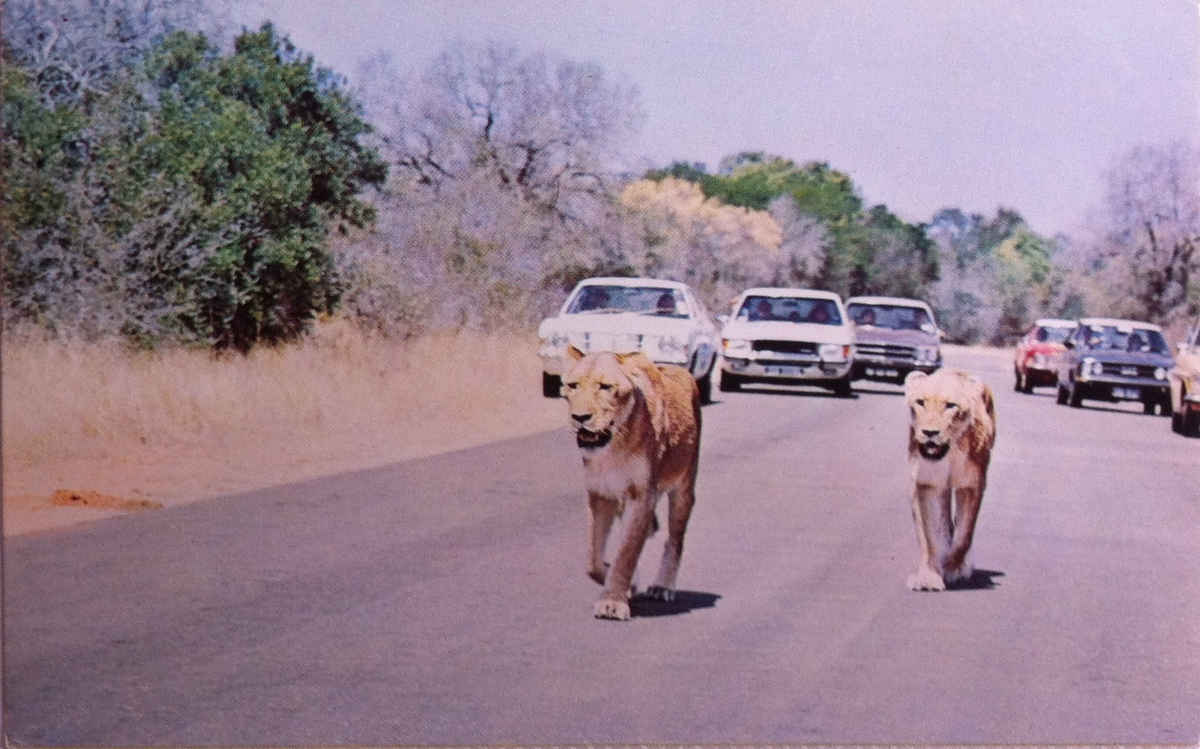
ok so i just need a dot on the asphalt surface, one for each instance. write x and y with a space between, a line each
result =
444 600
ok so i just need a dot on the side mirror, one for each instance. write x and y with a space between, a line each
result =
1069 344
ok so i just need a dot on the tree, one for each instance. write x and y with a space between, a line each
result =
1148 252
200 212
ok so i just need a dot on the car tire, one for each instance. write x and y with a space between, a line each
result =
1148 407
705 386
551 385
842 388
1062 394
1191 423
730 383
1075 399
1016 380
1177 422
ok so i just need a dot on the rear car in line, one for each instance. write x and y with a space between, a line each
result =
892 337
1116 360
663 319
787 336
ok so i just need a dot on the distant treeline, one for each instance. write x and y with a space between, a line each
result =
172 183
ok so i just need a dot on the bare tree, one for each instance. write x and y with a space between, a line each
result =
1153 211
75 48
552 130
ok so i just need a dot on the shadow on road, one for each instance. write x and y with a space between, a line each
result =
685 601
877 391
979 580
765 389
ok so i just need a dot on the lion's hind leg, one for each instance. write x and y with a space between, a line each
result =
679 511
966 511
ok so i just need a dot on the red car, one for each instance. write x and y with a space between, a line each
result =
1036 360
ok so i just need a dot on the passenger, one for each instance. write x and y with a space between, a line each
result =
819 314
762 311
666 304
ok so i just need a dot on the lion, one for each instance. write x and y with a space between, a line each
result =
950 437
637 426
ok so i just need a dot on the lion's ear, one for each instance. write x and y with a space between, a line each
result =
574 353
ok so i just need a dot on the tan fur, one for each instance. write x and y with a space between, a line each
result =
637 425
951 431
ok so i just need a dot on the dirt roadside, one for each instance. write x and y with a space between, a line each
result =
141 478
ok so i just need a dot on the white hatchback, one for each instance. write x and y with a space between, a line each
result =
663 319
789 337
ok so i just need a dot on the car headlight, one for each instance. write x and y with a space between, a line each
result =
833 352
927 354
736 347
1160 374
1090 367
554 343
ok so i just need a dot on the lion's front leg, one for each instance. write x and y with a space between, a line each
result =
931 517
614 604
967 501
601 511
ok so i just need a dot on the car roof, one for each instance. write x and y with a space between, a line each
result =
626 281
897 301
784 291
1054 322
1115 321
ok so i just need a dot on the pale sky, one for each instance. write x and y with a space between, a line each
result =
924 103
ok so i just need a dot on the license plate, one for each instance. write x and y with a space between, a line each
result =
875 372
1127 393
1129 371
785 371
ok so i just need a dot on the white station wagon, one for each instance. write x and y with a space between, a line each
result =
788 337
663 319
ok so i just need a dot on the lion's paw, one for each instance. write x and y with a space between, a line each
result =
960 574
660 593
611 608
926 579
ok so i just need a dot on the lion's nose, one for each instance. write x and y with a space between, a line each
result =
930 432
581 418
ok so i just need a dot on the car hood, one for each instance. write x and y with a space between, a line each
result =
872 334
617 323
787 331
1124 357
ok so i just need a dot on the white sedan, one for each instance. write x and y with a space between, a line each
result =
663 319
788 337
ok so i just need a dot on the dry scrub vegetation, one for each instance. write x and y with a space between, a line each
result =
179 425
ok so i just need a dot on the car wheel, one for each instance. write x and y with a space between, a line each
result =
1148 407
1177 422
1026 384
1016 380
730 383
551 385
1062 394
842 389
1191 423
705 385
1075 398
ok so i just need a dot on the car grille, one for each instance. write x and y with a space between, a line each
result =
786 347
891 351
1127 370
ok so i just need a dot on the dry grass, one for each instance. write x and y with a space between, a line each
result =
181 425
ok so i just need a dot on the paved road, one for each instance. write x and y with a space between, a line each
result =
444 600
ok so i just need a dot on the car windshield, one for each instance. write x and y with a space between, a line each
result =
1051 334
1123 338
895 317
789 309
652 300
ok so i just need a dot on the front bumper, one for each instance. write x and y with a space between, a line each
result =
890 369
1143 389
792 370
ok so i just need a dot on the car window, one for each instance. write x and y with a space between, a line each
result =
789 309
892 316
1053 334
1123 338
654 300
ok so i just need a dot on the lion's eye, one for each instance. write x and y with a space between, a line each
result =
572 385
605 386
921 402
951 406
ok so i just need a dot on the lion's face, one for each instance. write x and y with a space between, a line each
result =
939 413
599 396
